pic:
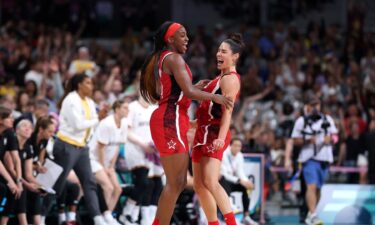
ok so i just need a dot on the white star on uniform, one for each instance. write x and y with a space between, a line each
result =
171 144
211 148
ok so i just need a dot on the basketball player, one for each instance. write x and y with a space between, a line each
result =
167 79
212 136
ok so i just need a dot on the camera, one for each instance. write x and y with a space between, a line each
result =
316 116
313 116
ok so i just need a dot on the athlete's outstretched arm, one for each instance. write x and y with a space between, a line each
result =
230 86
175 64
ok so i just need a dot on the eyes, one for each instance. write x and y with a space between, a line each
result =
223 51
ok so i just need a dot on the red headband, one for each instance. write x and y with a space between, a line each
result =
171 30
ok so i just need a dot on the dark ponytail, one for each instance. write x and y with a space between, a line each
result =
236 43
149 83
72 85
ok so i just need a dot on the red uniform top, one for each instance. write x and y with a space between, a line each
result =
170 122
210 112
209 116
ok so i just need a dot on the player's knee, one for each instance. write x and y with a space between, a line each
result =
211 184
178 185
198 186
312 187
108 188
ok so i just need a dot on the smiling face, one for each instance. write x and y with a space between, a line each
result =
179 40
225 57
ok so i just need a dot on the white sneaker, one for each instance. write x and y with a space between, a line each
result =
126 220
313 219
99 220
248 221
111 221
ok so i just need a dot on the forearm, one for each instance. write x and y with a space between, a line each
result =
10 165
196 94
4 173
229 177
83 123
289 148
31 179
58 84
135 139
298 141
109 83
17 165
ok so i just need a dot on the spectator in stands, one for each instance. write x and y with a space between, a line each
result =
139 146
8 102
234 177
22 102
39 109
354 115
113 86
83 64
111 132
36 74
29 201
10 188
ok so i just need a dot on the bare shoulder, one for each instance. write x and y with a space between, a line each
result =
174 59
231 82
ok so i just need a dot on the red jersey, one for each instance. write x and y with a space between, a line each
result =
208 111
170 91
209 116
170 122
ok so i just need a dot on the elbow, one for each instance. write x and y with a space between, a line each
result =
188 93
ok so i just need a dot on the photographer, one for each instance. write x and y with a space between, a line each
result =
315 133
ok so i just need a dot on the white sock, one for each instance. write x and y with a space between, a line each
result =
128 208
152 211
135 213
71 216
145 215
108 216
42 220
62 218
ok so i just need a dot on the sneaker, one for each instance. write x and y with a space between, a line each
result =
100 221
126 220
313 220
112 221
248 221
